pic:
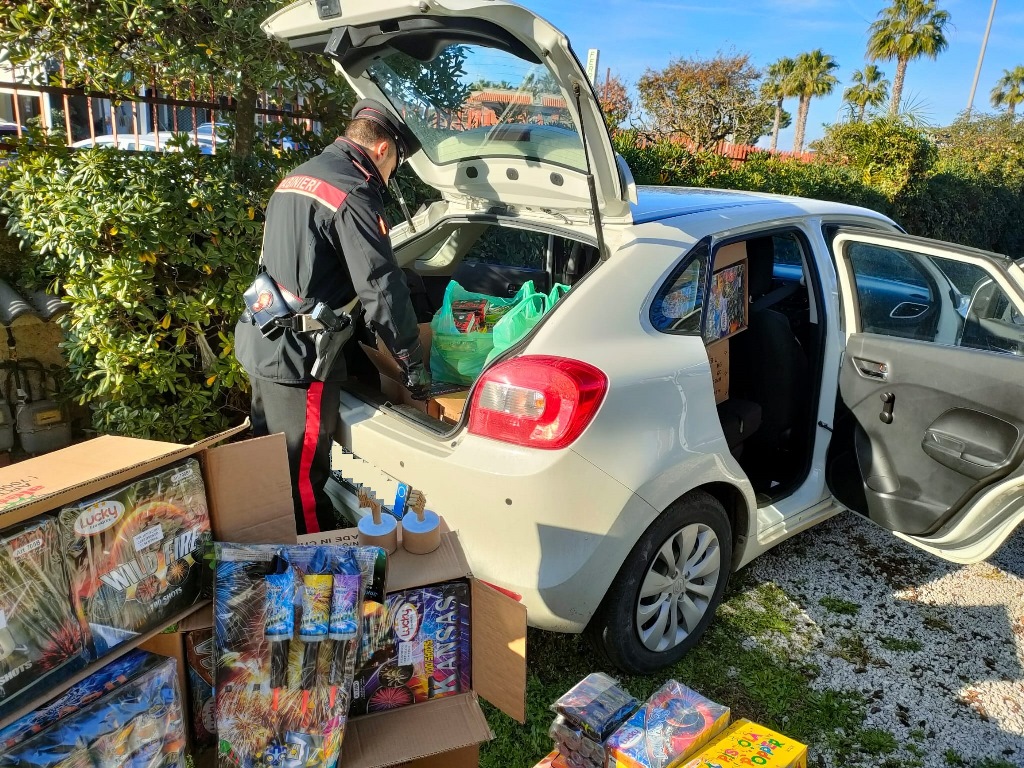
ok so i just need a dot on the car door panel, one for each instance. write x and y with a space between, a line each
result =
948 433
937 419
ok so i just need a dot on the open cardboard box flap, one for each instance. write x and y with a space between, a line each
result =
47 482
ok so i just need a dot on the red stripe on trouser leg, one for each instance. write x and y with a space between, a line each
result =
309 441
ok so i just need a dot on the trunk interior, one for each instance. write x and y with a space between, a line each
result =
489 257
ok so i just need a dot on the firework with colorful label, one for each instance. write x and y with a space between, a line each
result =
596 705
134 554
126 715
748 744
41 640
672 725
280 700
419 648
199 659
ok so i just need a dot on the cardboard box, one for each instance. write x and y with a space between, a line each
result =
391 377
450 727
244 503
718 356
725 314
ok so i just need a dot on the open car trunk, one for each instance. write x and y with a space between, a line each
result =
484 256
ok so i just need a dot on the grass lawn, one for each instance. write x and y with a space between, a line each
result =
757 680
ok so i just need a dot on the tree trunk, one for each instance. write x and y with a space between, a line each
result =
801 123
897 87
775 126
245 125
863 109
1011 107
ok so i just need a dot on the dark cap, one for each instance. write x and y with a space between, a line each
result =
372 110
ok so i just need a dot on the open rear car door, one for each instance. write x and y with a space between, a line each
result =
932 389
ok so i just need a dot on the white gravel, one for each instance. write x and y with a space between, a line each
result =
937 649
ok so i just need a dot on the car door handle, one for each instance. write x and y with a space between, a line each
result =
870 369
908 310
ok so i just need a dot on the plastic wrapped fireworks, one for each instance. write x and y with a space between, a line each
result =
126 715
415 648
134 554
287 625
745 743
577 748
672 725
40 636
596 706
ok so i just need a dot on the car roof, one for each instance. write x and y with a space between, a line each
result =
658 203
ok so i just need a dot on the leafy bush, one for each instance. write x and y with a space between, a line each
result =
153 251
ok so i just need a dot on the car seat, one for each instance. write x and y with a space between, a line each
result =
769 366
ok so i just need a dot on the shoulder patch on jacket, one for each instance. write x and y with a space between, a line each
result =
318 189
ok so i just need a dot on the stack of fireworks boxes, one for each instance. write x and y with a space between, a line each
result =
77 584
600 725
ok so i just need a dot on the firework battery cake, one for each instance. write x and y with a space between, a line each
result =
672 725
416 647
40 636
596 706
287 624
745 743
126 715
134 554
199 660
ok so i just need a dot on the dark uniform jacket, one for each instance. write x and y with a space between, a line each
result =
326 240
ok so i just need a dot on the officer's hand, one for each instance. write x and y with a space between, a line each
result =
417 381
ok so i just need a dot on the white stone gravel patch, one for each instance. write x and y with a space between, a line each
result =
937 649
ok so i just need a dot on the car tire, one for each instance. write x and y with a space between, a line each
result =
643 633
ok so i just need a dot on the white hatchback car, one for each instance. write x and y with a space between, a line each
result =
592 473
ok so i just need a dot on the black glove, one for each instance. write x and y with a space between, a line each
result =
417 381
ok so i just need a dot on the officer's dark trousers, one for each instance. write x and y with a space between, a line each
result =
308 416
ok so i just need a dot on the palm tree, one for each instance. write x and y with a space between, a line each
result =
870 89
778 86
908 29
1009 90
811 77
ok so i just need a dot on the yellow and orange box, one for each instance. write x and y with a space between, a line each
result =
749 744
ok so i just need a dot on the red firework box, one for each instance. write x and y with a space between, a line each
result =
134 553
671 726
415 647
748 744
40 636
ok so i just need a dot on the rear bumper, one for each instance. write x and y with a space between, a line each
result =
546 525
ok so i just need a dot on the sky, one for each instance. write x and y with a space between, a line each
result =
635 35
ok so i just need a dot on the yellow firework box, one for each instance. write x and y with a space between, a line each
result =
748 744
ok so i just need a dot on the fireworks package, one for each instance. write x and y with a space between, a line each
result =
746 743
672 725
199 659
415 647
40 636
134 554
126 715
287 626
596 706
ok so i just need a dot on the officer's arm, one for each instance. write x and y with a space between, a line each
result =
377 278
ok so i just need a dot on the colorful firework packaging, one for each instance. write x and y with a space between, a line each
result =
126 715
133 554
200 659
416 648
286 637
672 725
749 744
596 705
40 636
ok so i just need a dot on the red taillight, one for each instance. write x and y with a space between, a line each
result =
537 401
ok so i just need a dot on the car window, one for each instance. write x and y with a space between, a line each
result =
919 296
678 303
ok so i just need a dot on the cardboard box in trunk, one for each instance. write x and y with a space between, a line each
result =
444 406
726 312
718 356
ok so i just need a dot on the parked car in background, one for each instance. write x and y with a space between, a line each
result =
596 473
146 142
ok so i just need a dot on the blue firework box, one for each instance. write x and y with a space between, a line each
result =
128 713
414 649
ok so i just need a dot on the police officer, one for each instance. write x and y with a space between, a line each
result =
326 241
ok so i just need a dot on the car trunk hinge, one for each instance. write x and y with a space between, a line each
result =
591 185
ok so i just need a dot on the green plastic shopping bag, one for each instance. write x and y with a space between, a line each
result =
521 319
458 357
